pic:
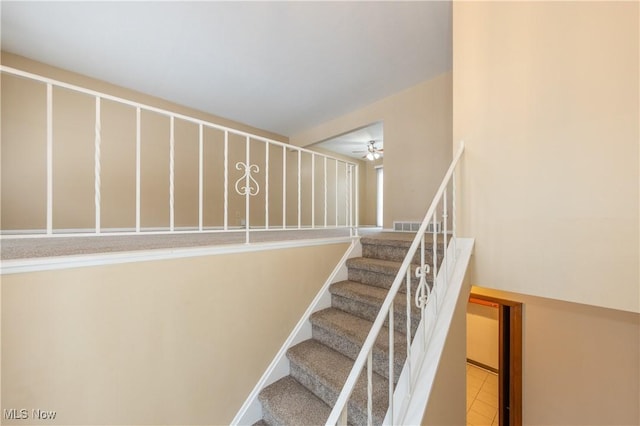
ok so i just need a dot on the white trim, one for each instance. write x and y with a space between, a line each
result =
158 230
251 412
19 266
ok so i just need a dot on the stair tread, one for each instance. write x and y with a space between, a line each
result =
398 239
356 330
331 369
290 403
387 267
371 295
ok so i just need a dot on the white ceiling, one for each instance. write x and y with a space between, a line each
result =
355 143
279 66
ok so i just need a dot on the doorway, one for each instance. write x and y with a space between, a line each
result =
507 342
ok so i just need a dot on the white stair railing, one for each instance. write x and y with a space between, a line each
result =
427 298
332 177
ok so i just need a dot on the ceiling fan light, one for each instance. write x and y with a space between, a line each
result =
370 156
376 155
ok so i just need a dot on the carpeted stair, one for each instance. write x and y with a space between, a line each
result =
320 366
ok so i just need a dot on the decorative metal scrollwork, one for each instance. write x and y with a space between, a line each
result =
250 189
423 291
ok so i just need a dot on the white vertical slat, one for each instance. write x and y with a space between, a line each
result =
453 208
49 159
96 165
357 198
313 190
434 249
445 218
171 173
391 361
200 176
247 183
410 381
266 186
347 219
325 192
226 180
284 188
138 162
336 192
369 388
299 189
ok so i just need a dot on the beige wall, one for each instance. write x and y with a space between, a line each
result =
168 342
417 144
546 97
581 364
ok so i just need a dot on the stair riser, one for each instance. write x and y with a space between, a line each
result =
351 350
397 254
383 280
370 312
357 415
268 417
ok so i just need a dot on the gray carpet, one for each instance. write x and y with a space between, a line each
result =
26 248
320 366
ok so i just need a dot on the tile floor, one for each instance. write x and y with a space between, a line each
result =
482 397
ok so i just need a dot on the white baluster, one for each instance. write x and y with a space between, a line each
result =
138 162
313 191
284 188
370 388
247 187
299 189
171 173
226 180
96 168
266 186
49 159
391 361
200 176
325 192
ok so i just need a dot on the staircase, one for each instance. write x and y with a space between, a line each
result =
319 366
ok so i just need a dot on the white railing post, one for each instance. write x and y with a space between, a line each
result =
336 193
200 177
410 385
347 217
226 181
357 198
325 192
49 159
266 186
247 188
370 388
391 362
313 191
96 166
138 162
284 188
299 189
172 155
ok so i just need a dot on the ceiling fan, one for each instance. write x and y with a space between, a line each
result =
372 153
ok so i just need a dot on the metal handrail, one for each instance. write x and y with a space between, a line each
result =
339 411
245 186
